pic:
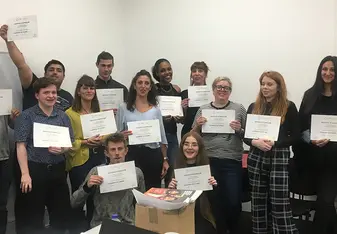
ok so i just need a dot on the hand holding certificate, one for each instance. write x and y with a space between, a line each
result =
323 127
109 98
118 177
100 123
262 127
199 95
170 105
193 178
144 132
45 135
218 121
6 101
22 28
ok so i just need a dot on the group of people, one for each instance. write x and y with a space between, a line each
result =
41 173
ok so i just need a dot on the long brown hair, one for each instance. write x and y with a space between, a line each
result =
87 81
202 159
280 102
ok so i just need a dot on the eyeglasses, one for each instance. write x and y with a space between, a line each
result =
225 88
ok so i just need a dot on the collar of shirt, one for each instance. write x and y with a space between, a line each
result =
100 79
39 111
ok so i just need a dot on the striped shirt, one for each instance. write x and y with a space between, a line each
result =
224 145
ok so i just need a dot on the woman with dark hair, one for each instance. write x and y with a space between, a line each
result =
317 159
268 160
198 77
142 105
85 153
162 72
192 153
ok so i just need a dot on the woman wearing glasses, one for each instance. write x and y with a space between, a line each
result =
225 154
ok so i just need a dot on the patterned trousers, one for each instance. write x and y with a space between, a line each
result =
268 176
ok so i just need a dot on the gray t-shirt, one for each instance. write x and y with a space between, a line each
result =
4 138
223 145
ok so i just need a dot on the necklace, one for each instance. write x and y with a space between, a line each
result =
166 91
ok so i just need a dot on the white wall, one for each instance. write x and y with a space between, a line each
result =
74 32
239 39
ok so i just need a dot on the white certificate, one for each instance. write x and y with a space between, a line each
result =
323 127
218 121
199 95
170 105
46 135
6 101
110 98
100 123
22 28
262 126
144 132
118 177
193 178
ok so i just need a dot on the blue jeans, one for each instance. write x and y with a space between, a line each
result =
227 202
172 151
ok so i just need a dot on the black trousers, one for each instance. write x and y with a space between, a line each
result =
150 161
4 187
50 189
325 219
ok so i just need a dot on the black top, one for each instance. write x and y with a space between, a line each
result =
289 132
168 90
327 154
64 98
189 115
111 84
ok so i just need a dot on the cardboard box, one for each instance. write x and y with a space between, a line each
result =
154 219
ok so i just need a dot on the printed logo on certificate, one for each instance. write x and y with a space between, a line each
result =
199 95
323 127
46 135
100 123
170 105
144 132
262 127
6 101
22 28
110 98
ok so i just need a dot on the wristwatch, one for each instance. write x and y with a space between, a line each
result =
166 159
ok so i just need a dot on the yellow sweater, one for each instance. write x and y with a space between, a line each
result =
79 153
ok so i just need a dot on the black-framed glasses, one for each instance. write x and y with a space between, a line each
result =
224 88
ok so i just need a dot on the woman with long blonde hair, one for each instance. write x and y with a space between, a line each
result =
268 160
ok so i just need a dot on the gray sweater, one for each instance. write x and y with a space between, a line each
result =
223 145
107 204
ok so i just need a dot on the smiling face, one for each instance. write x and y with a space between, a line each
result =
190 148
165 72
222 91
47 96
86 93
142 85
268 88
55 71
328 72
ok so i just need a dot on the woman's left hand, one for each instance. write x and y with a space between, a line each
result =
235 125
212 181
14 113
165 168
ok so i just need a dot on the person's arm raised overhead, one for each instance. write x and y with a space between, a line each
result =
25 73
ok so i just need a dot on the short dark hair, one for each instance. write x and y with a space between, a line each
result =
54 61
87 81
42 83
104 56
155 68
115 138
151 96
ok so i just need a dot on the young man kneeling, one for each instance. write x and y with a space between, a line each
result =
107 204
